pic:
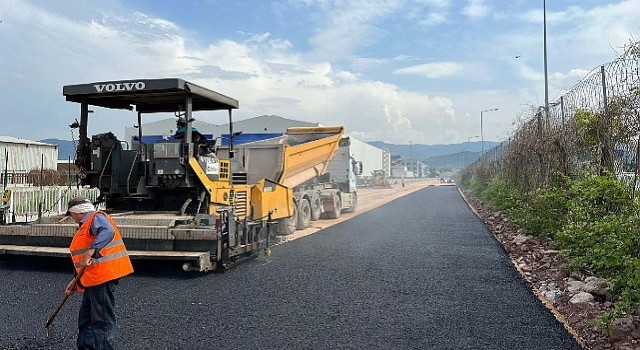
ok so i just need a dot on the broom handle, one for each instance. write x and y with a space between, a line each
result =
64 299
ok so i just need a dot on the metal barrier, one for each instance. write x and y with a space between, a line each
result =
15 177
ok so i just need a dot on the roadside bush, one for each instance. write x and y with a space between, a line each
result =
602 235
598 196
477 187
594 246
543 212
500 195
608 247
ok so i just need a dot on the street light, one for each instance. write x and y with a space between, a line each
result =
481 132
468 139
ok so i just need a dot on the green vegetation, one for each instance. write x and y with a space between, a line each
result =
593 220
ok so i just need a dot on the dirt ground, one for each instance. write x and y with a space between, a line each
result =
368 198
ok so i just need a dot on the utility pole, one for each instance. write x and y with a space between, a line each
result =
546 86
546 78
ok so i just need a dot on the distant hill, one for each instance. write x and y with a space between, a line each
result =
451 155
66 148
436 155
456 160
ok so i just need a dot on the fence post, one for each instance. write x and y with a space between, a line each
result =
59 208
41 193
563 140
607 152
562 109
12 208
604 90
541 155
69 173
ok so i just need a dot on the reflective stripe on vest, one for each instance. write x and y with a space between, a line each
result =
84 250
114 261
104 258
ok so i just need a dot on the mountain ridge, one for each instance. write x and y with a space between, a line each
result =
435 155
424 152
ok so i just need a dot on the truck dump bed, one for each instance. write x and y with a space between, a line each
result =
293 158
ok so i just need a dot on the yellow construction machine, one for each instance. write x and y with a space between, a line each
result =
379 179
186 198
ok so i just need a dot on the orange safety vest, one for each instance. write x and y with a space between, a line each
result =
113 264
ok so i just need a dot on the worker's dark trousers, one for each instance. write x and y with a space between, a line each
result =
97 319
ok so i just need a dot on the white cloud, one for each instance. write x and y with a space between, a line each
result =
265 73
402 58
368 63
350 25
475 9
433 18
426 13
433 70
269 75
577 31
260 37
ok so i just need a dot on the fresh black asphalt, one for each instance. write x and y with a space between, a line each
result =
421 272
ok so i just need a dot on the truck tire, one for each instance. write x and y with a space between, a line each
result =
316 206
337 208
288 225
304 214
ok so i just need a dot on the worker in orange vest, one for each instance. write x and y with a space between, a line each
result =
98 246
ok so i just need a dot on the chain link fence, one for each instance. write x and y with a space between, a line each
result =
594 128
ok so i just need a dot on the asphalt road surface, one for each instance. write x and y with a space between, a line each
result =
420 272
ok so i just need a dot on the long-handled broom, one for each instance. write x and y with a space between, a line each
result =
64 299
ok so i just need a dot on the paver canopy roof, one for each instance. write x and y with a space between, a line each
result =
148 95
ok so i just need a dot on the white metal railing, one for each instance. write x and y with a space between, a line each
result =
26 202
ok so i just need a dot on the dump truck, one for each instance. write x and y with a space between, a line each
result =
322 190
187 198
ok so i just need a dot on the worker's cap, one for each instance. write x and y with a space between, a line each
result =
80 204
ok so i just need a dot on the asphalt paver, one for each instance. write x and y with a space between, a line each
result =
421 272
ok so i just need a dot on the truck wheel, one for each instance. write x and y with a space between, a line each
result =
337 208
288 225
316 206
304 214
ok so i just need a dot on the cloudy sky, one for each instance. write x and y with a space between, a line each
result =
389 70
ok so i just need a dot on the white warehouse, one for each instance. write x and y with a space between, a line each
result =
19 156
372 158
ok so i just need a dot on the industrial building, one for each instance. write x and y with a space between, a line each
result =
372 158
417 168
19 156
402 167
